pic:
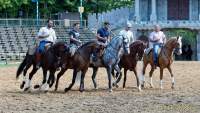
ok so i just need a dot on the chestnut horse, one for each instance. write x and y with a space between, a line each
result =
165 60
129 62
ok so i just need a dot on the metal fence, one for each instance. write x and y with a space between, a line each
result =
41 22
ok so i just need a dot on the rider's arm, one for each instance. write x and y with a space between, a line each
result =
54 37
164 38
99 37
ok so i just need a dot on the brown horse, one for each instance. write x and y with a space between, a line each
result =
129 62
79 62
164 60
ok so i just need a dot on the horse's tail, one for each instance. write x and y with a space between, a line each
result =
22 66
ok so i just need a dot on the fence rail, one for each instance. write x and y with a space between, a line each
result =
41 22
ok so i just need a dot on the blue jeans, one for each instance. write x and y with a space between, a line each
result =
155 52
41 47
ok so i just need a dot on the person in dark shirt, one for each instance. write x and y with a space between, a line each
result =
103 37
103 34
74 38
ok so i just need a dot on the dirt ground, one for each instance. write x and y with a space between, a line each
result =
185 98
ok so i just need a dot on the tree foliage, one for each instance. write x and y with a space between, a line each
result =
11 8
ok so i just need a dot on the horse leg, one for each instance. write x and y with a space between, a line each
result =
73 81
150 76
24 76
119 77
28 81
44 87
82 80
109 69
172 77
95 69
161 77
142 76
124 83
52 80
138 82
58 77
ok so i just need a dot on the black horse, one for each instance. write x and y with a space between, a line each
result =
49 62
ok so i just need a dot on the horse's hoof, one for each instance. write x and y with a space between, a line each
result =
96 88
117 86
151 86
26 89
110 90
22 85
45 91
124 88
113 84
142 86
81 90
173 87
36 86
66 90
55 89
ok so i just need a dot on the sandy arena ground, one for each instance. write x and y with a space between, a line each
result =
185 98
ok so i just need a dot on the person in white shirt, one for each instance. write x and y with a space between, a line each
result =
156 40
127 33
46 37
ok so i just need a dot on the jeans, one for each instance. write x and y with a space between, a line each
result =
41 47
155 52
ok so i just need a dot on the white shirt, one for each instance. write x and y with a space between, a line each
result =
47 31
160 36
127 34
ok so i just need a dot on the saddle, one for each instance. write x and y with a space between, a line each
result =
149 50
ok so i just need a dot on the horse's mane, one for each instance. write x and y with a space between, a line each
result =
136 43
170 40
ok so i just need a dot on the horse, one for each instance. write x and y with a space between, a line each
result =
48 61
165 60
115 49
79 62
129 62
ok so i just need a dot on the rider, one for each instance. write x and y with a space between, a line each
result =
103 36
156 40
74 38
127 33
46 37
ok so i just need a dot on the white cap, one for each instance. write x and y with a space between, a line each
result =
128 24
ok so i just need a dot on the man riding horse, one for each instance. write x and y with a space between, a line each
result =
103 37
46 38
74 38
156 40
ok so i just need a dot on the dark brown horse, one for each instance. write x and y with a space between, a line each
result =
129 62
79 62
165 60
